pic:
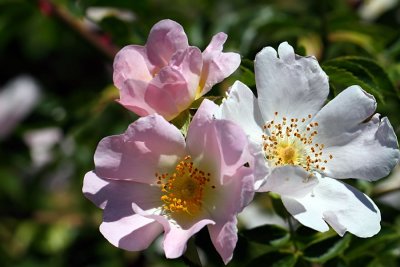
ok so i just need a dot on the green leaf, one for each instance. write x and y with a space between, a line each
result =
363 40
336 249
385 260
364 247
278 206
351 70
191 256
216 99
182 121
307 237
268 234
274 259
247 76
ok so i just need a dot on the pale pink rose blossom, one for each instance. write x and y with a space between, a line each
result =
150 180
166 75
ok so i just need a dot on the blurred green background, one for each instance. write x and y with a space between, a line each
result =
57 102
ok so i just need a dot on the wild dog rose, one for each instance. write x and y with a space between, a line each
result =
149 180
166 75
301 145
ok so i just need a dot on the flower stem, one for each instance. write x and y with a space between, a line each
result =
292 231
78 26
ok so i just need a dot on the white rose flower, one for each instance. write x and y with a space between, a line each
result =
302 147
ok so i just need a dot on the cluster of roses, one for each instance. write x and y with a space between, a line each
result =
153 179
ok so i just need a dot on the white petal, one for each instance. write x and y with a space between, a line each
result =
261 169
291 85
342 206
366 150
242 108
289 181
372 155
340 118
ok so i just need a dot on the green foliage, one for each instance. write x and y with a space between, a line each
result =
352 70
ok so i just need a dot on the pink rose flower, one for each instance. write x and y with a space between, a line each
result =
166 75
149 180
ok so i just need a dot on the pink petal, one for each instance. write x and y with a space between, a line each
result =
189 63
131 63
168 93
133 233
136 155
132 95
176 236
224 237
116 196
217 65
121 227
242 108
233 195
165 38
221 143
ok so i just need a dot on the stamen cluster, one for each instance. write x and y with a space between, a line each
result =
183 190
290 142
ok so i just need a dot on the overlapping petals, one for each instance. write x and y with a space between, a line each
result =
135 173
300 146
166 75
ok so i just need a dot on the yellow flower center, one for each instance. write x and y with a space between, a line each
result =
183 190
290 142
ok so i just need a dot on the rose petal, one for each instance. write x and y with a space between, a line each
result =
231 196
189 63
102 192
133 233
165 38
175 237
148 145
366 150
224 237
291 85
168 93
371 155
219 143
131 63
342 206
132 97
340 119
289 181
241 107
217 65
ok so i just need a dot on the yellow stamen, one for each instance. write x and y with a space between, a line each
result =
292 144
184 189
